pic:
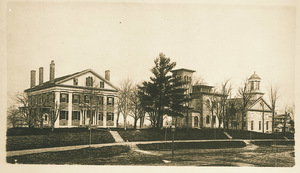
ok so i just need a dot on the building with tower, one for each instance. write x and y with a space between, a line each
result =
83 98
202 98
258 116
205 107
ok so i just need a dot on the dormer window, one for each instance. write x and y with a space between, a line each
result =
75 81
101 84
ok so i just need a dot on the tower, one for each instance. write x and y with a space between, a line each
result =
253 86
185 75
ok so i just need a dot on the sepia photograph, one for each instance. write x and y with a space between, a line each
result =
199 84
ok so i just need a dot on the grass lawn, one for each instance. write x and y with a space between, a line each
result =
239 134
23 138
258 156
180 134
193 145
82 156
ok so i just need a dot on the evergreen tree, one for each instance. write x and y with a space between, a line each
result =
163 94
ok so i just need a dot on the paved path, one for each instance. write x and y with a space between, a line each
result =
65 148
116 136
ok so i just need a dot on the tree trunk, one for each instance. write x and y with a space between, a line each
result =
273 115
125 123
135 121
117 121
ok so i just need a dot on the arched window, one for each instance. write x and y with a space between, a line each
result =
207 119
196 121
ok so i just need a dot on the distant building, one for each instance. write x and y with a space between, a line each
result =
280 120
84 98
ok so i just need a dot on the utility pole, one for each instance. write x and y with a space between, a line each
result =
284 123
173 133
263 117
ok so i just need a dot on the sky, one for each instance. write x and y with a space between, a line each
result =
218 41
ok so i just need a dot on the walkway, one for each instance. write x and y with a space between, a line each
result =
65 148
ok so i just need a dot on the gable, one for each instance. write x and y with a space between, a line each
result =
257 105
82 77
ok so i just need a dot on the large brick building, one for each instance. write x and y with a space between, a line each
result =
83 98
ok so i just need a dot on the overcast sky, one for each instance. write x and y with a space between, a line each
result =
217 41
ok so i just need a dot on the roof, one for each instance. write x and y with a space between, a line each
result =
183 69
254 76
251 102
57 81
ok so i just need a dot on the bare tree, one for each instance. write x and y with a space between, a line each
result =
198 80
136 110
226 88
27 113
91 100
245 96
13 115
273 96
125 95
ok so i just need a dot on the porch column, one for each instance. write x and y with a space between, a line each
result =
104 110
81 117
57 100
70 108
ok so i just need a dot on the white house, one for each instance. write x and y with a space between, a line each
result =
83 97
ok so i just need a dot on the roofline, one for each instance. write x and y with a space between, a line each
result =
256 101
68 86
208 86
84 72
183 69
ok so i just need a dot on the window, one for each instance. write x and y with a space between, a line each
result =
110 116
64 98
252 124
100 116
75 115
76 98
63 115
258 85
196 121
89 81
214 119
75 81
259 125
252 85
89 114
39 97
46 118
101 84
267 125
207 119
87 99
110 101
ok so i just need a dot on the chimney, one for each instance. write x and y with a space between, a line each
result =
32 81
52 71
41 75
107 75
